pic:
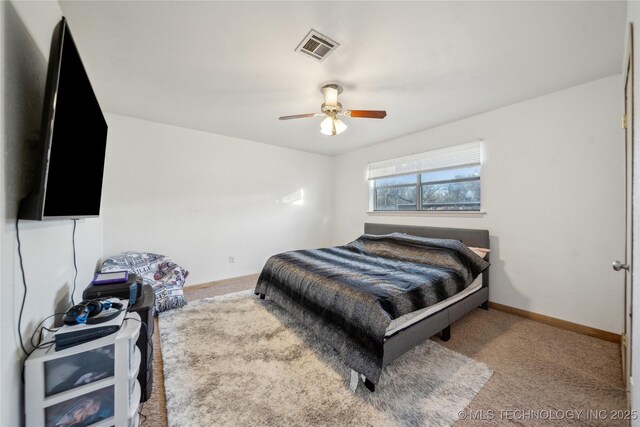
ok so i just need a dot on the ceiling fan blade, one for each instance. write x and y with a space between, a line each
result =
299 116
367 114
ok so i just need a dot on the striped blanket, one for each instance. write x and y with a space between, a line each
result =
347 295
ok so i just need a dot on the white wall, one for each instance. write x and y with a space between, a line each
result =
200 197
26 36
553 190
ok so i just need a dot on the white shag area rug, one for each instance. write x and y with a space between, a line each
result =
237 360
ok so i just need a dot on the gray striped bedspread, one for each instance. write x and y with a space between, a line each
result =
347 295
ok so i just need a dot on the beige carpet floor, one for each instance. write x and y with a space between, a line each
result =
536 368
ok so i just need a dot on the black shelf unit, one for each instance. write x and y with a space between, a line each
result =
144 307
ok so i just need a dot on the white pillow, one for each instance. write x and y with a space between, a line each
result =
481 252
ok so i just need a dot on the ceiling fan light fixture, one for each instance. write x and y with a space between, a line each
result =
326 126
331 126
340 126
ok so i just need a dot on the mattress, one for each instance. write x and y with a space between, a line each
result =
409 319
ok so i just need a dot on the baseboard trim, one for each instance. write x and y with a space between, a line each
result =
558 323
221 282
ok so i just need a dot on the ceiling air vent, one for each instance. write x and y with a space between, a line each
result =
317 46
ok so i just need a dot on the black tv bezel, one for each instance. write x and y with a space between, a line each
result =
32 206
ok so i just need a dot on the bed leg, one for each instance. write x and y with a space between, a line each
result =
368 384
485 305
445 335
261 296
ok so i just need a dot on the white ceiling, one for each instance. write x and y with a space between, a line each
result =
230 67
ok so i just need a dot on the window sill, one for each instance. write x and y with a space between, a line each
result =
467 214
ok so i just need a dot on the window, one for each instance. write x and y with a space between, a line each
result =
439 180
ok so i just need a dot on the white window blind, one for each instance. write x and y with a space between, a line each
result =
459 155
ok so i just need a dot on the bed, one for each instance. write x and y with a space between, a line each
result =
369 329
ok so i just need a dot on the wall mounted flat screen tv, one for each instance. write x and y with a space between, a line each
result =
73 140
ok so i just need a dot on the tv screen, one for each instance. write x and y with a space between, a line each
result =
73 139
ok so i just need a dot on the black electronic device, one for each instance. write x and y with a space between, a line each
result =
71 339
73 140
125 290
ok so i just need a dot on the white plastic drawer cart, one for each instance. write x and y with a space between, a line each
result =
94 383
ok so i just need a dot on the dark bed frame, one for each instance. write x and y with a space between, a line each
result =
440 321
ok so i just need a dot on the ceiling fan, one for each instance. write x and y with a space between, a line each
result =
332 110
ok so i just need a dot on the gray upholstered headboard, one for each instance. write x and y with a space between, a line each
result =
469 237
478 238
